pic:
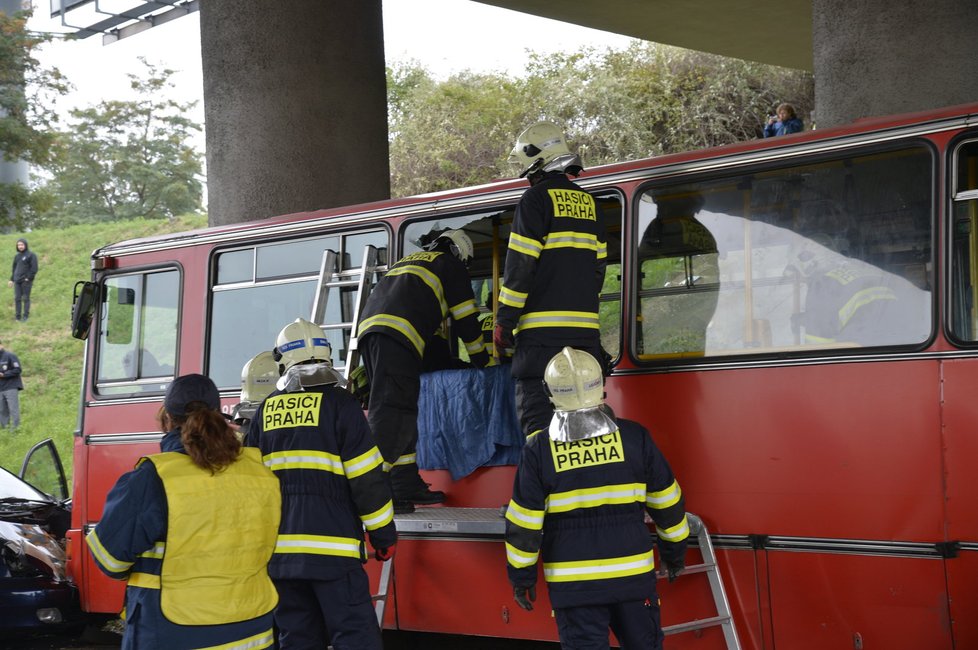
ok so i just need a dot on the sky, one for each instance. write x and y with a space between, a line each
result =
413 30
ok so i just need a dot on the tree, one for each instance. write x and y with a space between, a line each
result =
28 93
125 159
646 100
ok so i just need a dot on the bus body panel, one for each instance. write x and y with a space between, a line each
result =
869 467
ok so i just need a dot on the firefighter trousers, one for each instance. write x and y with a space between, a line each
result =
635 624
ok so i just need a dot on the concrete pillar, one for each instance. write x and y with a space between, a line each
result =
879 57
295 106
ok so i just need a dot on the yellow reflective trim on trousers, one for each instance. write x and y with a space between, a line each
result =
144 580
429 278
396 323
616 567
664 498
518 558
474 347
363 463
525 245
676 533
407 459
156 552
262 640
463 309
571 239
583 319
811 339
512 298
303 459
318 545
861 299
105 558
379 518
602 250
524 517
595 497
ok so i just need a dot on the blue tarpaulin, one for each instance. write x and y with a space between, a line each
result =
467 419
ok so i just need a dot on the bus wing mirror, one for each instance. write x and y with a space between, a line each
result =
83 308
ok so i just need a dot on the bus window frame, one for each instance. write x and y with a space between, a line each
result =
717 170
94 383
953 197
503 206
362 226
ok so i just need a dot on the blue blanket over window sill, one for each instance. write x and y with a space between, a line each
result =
467 419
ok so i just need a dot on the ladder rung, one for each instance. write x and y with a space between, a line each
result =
698 624
337 326
342 283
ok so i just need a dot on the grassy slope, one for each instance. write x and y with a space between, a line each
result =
51 358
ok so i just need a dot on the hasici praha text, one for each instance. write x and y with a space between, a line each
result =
587 453
291 410
573 204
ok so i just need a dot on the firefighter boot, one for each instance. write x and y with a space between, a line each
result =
408 487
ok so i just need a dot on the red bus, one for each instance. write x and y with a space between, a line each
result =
795 320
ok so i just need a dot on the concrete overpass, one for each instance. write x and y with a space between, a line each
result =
295 94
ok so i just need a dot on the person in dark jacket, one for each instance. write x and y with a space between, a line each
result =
580 496
555 263
401 319
11 384
22 273
192 529
783 123
312 433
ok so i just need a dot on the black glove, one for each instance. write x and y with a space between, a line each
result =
525 596
675 568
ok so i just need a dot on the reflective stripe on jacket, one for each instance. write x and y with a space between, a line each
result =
581 505
416 295
554 264
332 479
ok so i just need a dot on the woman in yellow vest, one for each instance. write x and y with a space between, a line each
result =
192 529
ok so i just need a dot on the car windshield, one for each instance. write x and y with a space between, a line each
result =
11 486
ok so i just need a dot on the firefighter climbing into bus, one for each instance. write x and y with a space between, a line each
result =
581 492
313 435
554 270
401 317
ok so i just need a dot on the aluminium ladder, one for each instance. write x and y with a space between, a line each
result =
709 567
331 276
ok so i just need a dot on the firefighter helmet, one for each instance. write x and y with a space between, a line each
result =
574 380
258 377
541 147
301 341
458 243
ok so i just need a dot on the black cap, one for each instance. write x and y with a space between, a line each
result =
191 388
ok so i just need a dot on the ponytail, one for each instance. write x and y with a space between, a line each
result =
207 437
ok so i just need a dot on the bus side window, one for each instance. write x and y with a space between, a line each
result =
825 255
137 332
964 245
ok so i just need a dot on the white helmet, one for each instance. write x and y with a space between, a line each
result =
258 377
574 380
459 243
576 385
541 147
301 341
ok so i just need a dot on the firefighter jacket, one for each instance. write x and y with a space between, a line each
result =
554 266
333 484
416 295
194 547
581 506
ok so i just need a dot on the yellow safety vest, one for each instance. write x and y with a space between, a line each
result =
221 532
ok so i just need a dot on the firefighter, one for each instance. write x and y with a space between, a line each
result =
312 433
400 318
258 377
554 269
579 499
192 529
